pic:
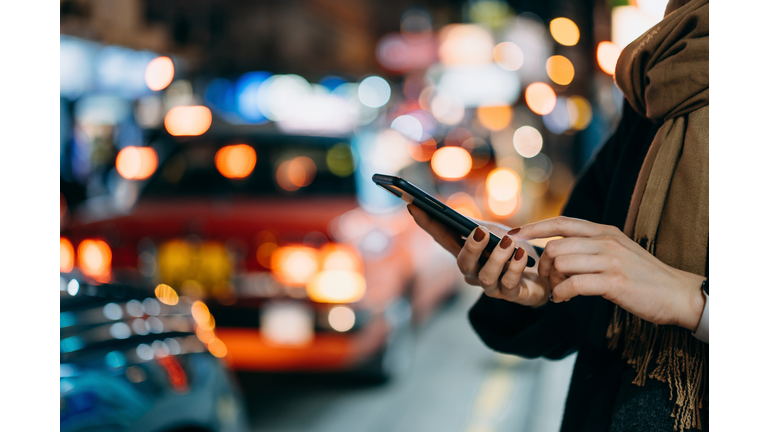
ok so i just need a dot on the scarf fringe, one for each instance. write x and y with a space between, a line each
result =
681 361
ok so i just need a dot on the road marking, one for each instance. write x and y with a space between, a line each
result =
493 396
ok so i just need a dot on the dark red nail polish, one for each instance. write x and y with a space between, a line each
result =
479 235
505 242
519 254
514 231
409 210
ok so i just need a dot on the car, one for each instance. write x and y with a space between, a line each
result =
131 361
273 233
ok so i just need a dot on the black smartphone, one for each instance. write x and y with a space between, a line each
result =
411 194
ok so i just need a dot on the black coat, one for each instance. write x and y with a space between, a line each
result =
602 195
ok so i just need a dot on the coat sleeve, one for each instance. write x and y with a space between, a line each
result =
556 330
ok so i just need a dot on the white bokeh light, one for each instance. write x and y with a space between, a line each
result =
374 92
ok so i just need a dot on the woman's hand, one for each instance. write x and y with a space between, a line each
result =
503 276
600 260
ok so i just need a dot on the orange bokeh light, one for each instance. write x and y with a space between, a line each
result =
136 163
495 118
560 70
422 152
188 120
451 163
217 348
464 204
294 265
607 56
296 173
338 257
66 255
94 257
564 31
235 161
540 98
159 73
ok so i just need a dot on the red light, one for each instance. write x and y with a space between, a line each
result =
176 375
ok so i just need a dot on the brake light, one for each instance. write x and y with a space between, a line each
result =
67 255
94 257
294 265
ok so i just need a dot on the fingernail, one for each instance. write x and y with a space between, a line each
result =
479 234
514 231
519 254
505 242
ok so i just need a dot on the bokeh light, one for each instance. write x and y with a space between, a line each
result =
294 265
340 160
296 173
423 151
527 141
235 161
607 55
66 255
188 120
540 98
136 163
564 31
502 208
159 73
560 70
166 294
502 184
508 56
341 318
374 92
494 118
336 286
451 163
464 204
463 44
409 126
559 120
217 348
579 112
447 108
94 257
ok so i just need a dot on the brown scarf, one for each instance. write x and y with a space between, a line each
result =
664 75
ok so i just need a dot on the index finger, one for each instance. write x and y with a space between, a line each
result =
559 226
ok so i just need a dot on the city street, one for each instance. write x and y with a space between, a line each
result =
455 384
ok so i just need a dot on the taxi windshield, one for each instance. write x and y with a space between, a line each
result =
255 167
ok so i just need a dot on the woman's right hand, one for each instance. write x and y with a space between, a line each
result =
503 276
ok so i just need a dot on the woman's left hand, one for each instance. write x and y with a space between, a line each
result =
600 260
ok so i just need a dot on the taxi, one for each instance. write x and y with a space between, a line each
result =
268 230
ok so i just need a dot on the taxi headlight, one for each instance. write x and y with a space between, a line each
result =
336 286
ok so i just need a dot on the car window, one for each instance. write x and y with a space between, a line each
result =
282 168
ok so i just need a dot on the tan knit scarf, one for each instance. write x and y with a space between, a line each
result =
664 74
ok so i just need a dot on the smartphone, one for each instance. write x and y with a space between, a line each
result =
411 194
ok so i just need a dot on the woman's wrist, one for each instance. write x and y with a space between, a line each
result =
694 300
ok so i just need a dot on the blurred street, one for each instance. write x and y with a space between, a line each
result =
455 384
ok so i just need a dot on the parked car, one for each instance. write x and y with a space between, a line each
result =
268 230
130 361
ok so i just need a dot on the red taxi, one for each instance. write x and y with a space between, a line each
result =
267 229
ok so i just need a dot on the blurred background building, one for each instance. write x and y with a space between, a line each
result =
492 105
